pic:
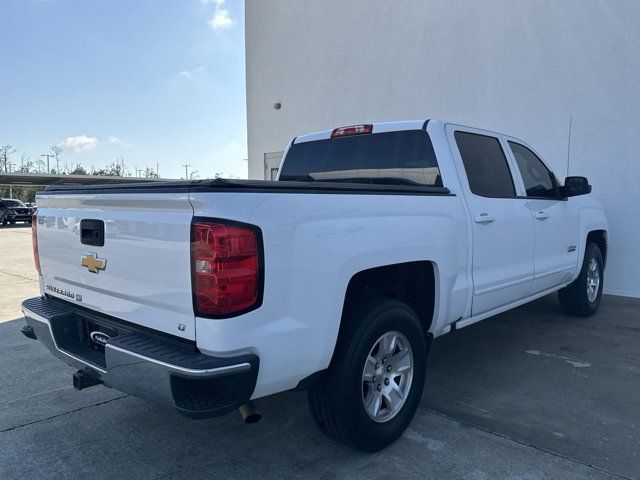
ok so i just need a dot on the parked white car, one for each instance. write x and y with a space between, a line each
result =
335 278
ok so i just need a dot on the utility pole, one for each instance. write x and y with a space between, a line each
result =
9 166
186 171
139 170
158 169
48 157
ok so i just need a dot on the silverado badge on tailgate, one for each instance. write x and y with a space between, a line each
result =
93 263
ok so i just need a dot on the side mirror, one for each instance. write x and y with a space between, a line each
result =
574 186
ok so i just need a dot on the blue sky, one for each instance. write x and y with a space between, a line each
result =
148 80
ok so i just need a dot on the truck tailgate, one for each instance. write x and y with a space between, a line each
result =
142 272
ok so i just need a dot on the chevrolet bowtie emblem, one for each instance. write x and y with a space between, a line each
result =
93 263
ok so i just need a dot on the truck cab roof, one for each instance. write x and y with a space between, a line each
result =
379 127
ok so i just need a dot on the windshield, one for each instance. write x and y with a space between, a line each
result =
401 157
13 203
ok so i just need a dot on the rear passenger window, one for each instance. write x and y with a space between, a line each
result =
538 180
486 165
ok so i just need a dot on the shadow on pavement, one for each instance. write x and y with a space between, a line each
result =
563 385
16 225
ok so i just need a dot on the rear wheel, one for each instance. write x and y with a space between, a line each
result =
582 297
376 378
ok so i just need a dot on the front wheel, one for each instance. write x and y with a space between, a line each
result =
374 384
582 297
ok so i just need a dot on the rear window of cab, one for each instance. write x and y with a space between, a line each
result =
403 157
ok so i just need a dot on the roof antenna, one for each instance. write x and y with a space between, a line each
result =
569 145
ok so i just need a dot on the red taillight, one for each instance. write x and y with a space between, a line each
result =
352 130
34 239
226 262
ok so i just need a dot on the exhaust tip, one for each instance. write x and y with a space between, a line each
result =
249 413
253 418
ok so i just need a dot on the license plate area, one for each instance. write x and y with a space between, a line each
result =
83 337
97 335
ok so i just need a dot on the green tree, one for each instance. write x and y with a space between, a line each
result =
56 150
78 170
112 170
150 173
5 153
26 194
224 175
26 164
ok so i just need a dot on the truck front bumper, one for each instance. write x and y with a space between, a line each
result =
18 217
154 366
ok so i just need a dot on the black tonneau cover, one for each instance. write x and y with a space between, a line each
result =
247 186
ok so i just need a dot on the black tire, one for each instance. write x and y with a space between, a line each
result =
574 299
337 400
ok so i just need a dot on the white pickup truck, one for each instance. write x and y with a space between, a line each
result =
334 279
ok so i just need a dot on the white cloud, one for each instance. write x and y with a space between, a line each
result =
221 19
189 74
79 143
114 140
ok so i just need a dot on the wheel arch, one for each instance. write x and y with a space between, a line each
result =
413 283
599 237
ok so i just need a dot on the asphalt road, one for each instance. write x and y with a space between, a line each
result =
530 394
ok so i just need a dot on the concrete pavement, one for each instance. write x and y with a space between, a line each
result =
530 394
18 277
47 430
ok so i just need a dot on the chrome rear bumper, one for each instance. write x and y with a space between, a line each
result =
143 364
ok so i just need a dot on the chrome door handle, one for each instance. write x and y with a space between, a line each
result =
484 218
541 215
